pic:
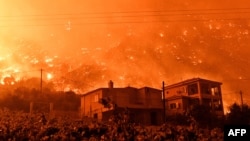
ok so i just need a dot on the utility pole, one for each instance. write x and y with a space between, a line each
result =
241 98
164 101
41 83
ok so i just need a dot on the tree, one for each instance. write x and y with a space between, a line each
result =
204 117
178 119
238 115
106 102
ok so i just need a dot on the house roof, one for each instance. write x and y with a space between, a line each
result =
191 81
149 88
102 89
128 87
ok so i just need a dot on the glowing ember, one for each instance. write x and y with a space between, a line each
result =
49 76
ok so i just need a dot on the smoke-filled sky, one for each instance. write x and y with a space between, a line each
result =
83 44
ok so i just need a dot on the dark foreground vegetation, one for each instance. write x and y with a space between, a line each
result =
21 126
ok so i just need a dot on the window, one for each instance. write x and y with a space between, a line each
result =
95 116
173 106
207 102
193 89
217 105
215 91
205 88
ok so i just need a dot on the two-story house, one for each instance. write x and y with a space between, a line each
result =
181 96
144 104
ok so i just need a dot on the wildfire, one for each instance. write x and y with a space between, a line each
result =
49 76
9 75
7 80
123 48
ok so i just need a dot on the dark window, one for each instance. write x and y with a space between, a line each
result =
95 116
194 101
173 106
153 116
217 105
207 102
193 89
179 105
205 88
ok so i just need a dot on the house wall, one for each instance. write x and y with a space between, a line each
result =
134 98
146 116
153 98
124 97
180 90
174 106
90 105
144 100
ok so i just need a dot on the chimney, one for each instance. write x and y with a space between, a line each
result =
111 84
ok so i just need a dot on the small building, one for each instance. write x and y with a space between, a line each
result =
145 104
182 96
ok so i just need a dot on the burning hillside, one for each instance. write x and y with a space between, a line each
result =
145 47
